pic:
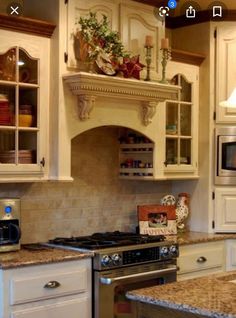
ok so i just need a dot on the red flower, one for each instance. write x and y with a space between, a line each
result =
131 67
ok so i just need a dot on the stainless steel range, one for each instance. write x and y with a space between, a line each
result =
124 261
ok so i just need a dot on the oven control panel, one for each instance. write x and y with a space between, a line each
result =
139 256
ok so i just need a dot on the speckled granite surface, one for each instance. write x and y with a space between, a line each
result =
25 257
50 255
212 296
199 237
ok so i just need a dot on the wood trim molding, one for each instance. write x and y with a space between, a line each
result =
90 87
27 25
187 57
202 16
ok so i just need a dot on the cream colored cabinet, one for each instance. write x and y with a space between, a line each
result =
224 208
78 8
201 259
181 118
57 290
122 15
24 106
225 71
136 22
230 255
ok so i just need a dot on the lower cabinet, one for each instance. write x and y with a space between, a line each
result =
225 201
55 290
201 259
63 309
230 255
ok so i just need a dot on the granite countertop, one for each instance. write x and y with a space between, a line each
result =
45 255
26 257
211 296
199 237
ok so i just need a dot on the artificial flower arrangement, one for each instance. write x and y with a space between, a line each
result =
98 44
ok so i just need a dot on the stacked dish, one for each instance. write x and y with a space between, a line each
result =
5 113
24 156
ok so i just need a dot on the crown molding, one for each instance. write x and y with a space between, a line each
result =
26 25
187 57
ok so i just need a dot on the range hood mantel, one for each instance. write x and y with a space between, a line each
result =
88 87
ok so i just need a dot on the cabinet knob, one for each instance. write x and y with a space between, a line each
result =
42 162
52 284
201 259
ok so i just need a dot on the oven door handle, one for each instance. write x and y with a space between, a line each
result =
109 281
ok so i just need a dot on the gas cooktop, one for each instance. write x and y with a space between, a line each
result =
106 239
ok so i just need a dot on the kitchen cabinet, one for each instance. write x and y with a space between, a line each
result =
200 259
181 120
24 103
122 15
225 71
230 255
224 206
140 20
78 8
57 290
173 153
216 81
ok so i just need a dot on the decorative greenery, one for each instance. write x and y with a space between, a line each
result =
99 37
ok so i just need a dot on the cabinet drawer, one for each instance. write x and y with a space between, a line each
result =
29 287
203 256
71 309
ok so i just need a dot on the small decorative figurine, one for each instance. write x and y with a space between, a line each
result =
182 211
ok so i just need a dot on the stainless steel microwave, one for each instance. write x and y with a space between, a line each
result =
225 159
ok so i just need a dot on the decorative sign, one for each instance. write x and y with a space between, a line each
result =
157 219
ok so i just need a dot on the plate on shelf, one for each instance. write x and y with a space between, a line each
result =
105 65
168 199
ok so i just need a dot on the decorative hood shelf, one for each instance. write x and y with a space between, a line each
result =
88 87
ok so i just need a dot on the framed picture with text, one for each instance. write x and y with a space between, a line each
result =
157 219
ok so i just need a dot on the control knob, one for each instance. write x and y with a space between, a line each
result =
116 259
173 250
164 252
106 260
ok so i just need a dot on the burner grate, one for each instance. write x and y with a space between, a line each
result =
107 239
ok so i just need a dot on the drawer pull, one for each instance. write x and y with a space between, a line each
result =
52 284
201 259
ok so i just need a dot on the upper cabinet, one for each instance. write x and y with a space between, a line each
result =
225 72
181 118
78 8
134 21
24 106
137 21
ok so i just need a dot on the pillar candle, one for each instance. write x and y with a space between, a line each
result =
165 43
149 40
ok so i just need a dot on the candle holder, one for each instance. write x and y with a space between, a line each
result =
148 59
166 55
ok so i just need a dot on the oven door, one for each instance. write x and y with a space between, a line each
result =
111 286
227 156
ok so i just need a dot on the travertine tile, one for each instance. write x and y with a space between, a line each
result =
95 201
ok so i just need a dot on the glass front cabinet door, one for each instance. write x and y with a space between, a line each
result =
22 133
181 131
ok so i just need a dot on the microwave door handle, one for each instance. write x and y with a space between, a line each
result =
109 281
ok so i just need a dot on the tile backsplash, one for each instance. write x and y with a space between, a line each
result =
97 200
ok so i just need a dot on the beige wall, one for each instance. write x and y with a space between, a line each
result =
96 201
